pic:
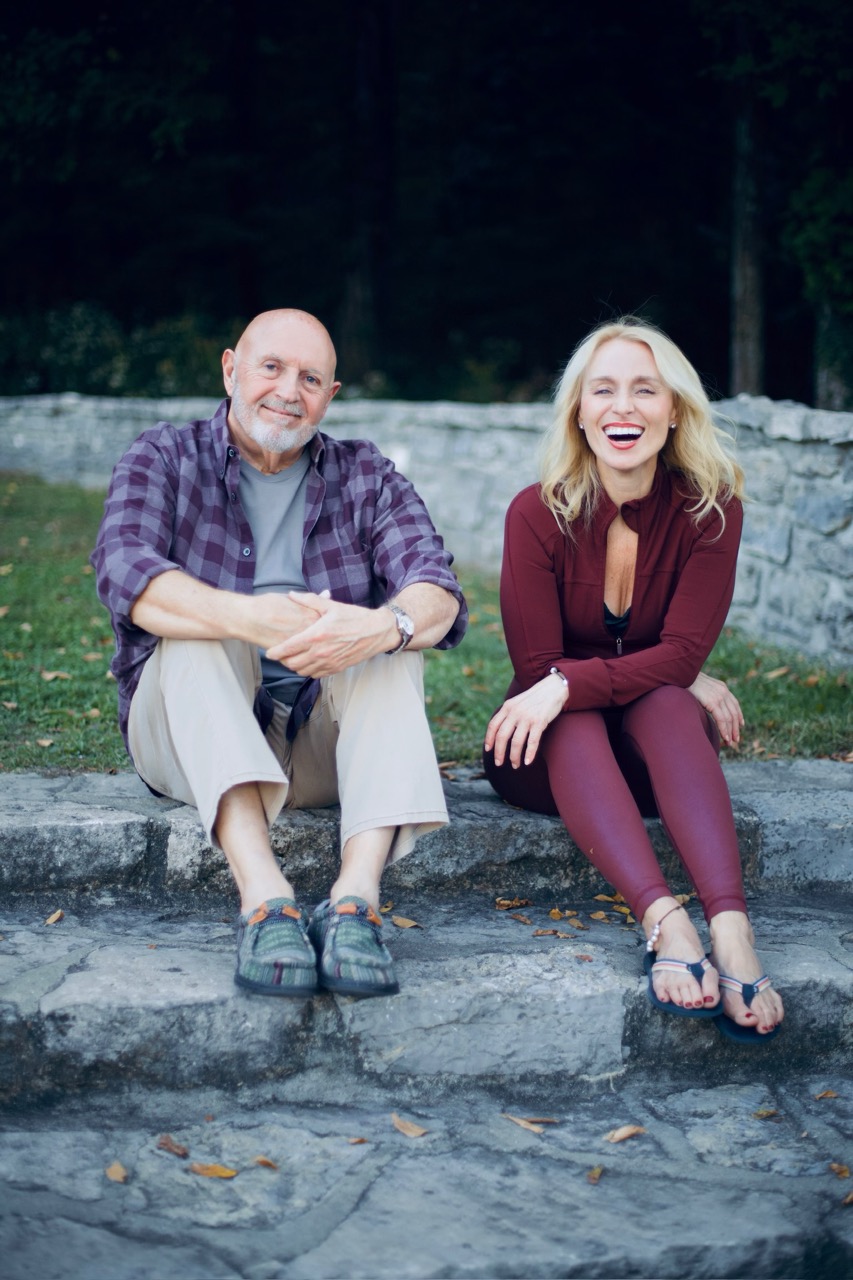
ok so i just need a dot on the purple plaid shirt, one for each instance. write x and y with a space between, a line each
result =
174 503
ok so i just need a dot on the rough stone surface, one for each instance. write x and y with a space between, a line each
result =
106 831
795 579
121 994
708 1190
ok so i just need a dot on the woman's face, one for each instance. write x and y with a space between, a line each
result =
626 412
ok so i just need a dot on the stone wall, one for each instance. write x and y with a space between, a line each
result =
795 578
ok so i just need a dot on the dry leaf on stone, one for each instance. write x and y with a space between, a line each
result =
386 907
506 904
840 1170
56 917
265 1162
598 915
212 1170
625 911
516 915
356 1142
407 1127
604 897
594 1175
624 1132
545 933
683 898
116 1172
403 922
587 959
848 1200
765 1113
827 1093
530 1125
167 1143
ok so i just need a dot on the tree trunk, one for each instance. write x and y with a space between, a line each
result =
747 293
363 318
833 360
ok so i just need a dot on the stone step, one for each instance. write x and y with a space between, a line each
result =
116 994
732 1180
67 835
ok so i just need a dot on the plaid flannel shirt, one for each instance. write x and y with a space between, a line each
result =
174 503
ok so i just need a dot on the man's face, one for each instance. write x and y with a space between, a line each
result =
280 379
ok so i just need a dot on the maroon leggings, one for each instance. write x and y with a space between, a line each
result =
604 771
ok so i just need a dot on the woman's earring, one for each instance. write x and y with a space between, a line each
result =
672 426
582 427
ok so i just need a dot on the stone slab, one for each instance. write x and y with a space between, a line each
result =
726 1181
98 831
114 995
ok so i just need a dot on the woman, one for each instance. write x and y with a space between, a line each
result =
618 572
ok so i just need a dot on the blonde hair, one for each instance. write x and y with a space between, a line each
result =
698 450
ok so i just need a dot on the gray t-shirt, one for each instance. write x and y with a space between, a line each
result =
275 509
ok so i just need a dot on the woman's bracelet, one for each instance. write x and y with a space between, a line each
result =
555 671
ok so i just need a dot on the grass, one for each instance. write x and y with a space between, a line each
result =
58 703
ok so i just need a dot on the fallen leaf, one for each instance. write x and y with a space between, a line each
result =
212 1170
776 673
840 1170
516 915
402 922
116 1172
556 914
848 1199
44 742
55 675
624 1132
506 904
265 1162
683 898
386 907
811 681
4 609
448 764
827 1093
407 1127
468 671
604 897
598 915
560 934
625 911
167 1143
209 1119
356 1142
55 918
579 924
11 706
530 1125
26 626
569 912
588 959
594 1175
93 657
152 946
545 933
93 713
5 570
765 1113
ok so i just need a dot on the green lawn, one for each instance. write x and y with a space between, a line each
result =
57 701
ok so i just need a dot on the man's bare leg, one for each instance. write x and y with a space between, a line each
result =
363 860
241 829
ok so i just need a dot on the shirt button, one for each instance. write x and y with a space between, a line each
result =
247 551
232 453
233 496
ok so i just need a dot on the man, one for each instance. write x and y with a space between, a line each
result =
270 588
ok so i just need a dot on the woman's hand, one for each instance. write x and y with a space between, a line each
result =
721 704
517 728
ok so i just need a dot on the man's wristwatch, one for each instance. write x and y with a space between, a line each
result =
404 625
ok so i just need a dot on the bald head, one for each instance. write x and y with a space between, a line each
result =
280 377
269 326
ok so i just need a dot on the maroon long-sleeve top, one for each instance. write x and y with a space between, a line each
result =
552 594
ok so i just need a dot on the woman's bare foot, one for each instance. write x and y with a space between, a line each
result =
733 953
678 940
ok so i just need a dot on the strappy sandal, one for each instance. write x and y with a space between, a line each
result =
747 992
